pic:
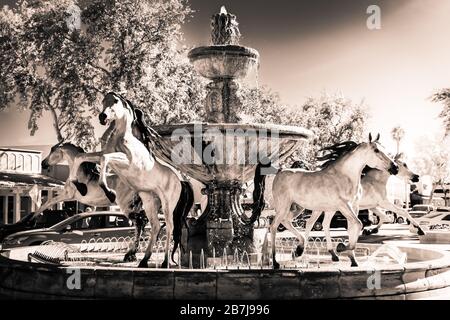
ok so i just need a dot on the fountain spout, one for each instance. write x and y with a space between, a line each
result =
225 29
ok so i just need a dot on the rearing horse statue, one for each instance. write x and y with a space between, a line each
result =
157 185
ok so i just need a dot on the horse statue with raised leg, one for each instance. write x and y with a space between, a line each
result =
377 199
335 188
91 192
157 185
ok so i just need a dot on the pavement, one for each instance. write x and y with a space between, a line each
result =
395 234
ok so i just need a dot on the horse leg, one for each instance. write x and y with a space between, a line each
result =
309 225
328 216
273 233
382 217
149 203
282 214
169 232
115 158
65 196
399 211
140 223
300 248
354 228
169 225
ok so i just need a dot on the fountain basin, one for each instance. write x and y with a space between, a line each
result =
426 275
236 148
224 61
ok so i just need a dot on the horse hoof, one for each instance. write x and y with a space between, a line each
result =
354 264
81 187
276 265
299 251
143 264
420 232
334 257
341 247
129 257
375 231
111 196
366 232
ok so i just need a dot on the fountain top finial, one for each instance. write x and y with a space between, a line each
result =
225 29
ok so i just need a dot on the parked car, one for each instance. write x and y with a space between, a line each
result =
441 193
46 219
83 226
420 210
338 221
438 219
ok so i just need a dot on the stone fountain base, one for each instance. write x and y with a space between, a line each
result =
428 276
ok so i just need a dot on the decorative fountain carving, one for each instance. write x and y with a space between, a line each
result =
225 28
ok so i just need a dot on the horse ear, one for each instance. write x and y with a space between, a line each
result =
370 137
378 138
398 156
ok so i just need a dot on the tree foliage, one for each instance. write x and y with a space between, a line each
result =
331 118
52 64
443 96
130 46
433 159
397 134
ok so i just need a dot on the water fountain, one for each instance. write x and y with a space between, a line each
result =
222 153
218 259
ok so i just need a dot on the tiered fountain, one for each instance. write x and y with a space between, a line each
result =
95 270
227 151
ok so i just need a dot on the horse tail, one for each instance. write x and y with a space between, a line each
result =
184 205
259 182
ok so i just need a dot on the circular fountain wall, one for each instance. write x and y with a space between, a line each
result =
425 274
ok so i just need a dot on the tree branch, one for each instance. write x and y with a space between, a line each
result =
59 135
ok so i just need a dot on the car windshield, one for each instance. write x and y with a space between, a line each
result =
26 218
64 222
432 215
421 208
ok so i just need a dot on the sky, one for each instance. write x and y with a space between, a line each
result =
308 47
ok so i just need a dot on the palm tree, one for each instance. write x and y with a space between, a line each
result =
397 134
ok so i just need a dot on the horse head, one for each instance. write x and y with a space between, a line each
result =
59 152
55 156
404 172
116 107
376 157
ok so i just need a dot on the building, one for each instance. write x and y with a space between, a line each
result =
23 187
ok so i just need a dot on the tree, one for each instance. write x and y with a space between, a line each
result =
432 158
130 46
332 118
443 96
397 134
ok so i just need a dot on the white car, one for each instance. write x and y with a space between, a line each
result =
434 221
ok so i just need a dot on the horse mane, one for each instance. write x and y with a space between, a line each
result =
336 151
149 136
146 133
300 164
